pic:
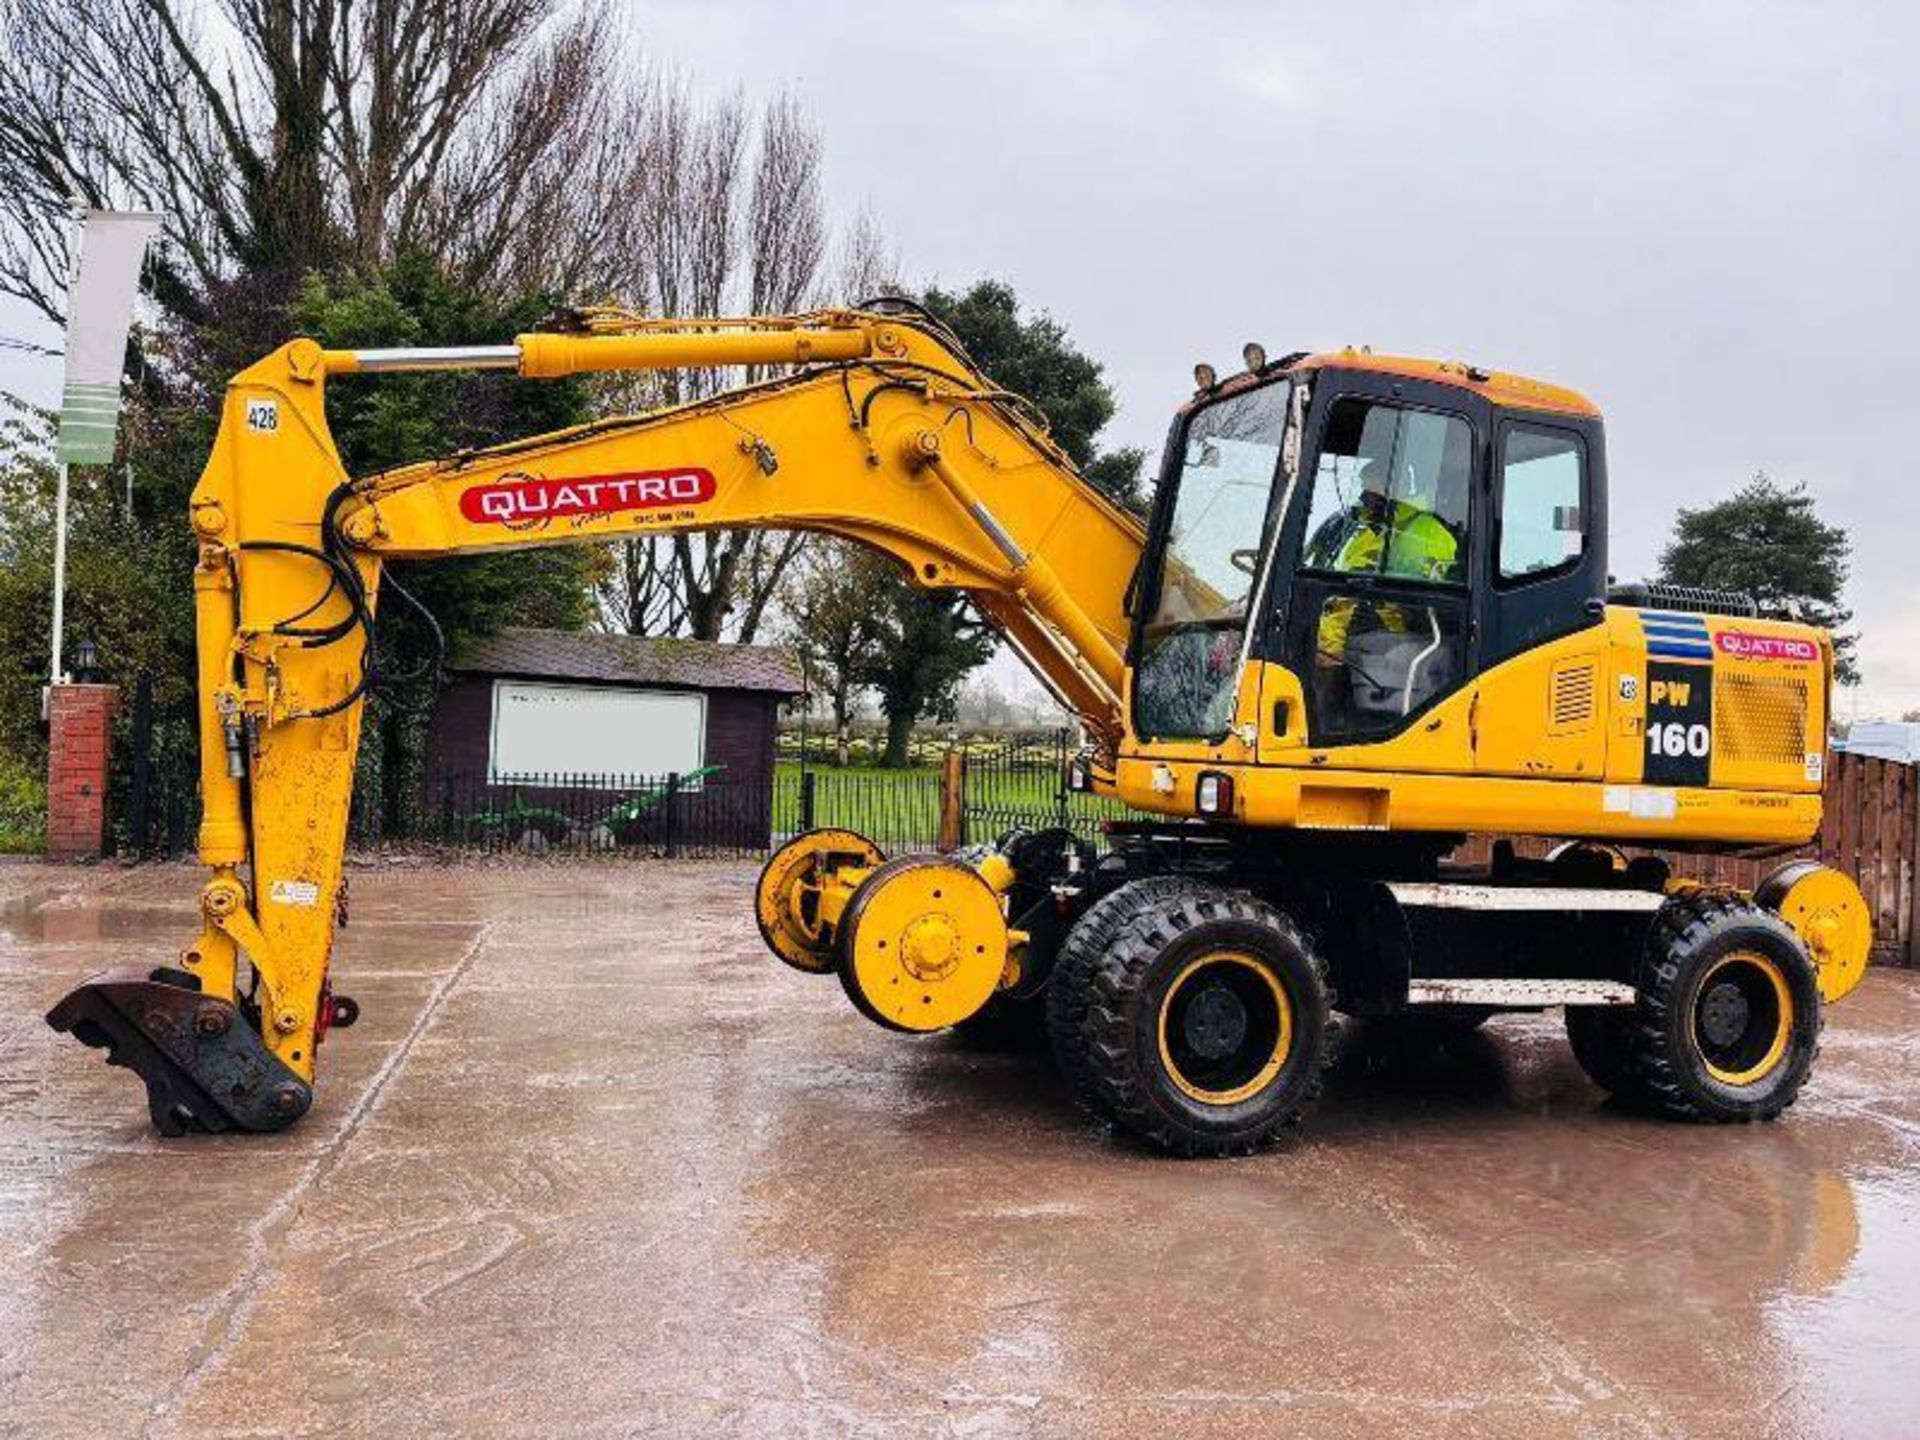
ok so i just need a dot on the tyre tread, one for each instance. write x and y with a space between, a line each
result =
1070 989
1688 921
1141 932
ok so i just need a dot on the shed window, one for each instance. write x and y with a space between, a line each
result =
549 730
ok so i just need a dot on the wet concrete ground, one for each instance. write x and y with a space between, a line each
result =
593 1163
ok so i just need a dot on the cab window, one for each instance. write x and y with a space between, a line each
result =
1542 521
1391 494
1392 497
1222 499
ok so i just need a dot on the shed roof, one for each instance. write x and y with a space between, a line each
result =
632 660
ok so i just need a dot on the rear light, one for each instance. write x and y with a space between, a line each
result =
1213 793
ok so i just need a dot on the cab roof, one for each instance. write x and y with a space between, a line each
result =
1497 387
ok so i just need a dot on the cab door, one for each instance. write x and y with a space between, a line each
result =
1547 679
1217 505
1379 623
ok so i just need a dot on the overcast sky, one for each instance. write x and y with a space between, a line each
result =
1702 215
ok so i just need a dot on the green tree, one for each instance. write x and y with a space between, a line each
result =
129 576
1034 356
1766 540
127 587
400 418
923 647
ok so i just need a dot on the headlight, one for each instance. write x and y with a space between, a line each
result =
1213 794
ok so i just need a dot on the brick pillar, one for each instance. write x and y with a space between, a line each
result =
79 739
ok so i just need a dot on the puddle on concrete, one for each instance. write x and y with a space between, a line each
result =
634 1168
1850 1319
68 915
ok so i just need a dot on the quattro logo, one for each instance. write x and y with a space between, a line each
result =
1749 646
526 500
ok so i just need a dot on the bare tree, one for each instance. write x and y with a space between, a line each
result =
292 134
510 139
868 262
832 618
786 231
716 230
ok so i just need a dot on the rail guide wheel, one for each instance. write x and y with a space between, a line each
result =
1829 914
923 944
787 899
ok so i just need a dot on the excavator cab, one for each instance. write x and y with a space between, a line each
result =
1380 535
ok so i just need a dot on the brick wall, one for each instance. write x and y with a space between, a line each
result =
80 739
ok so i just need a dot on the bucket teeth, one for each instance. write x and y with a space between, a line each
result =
204 1066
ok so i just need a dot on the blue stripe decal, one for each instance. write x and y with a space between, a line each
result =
1674 627
1675 651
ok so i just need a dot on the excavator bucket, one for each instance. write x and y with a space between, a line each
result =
204 1065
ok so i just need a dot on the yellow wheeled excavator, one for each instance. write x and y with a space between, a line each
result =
1369 617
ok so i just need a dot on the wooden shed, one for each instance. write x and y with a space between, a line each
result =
542 709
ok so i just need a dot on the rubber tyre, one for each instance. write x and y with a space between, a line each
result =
1143 969
1665 1064
1070 989
1597 1034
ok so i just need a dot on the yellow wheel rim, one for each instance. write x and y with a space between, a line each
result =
924 944
1225 1028
1742 1017
787 899
1828 913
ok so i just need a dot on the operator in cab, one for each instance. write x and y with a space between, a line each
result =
1369 661
1377 535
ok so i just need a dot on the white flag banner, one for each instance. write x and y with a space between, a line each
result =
99 309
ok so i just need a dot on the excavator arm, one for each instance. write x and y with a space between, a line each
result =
880 430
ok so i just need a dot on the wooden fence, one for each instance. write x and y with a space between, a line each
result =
1871 830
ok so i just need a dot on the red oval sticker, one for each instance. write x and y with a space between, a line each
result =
1749 646
524 499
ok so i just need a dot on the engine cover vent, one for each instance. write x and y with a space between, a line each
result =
1761 718
1574 683
1698 599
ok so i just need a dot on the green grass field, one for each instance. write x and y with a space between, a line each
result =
902 806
